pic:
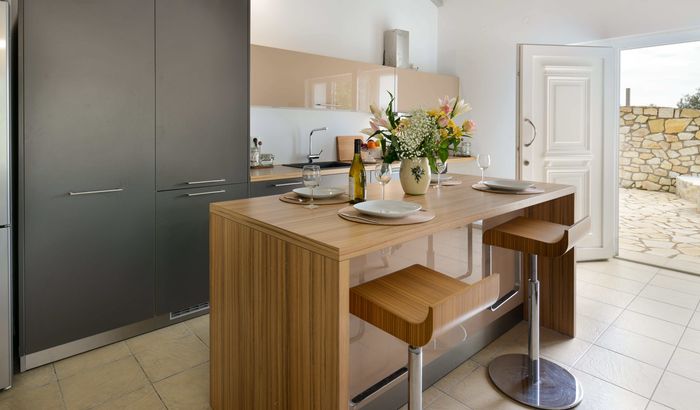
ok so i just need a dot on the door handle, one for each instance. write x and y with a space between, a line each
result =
534 132
211 181
220 191
100 191
288 184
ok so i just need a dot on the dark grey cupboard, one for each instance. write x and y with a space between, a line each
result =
202 92
88 127
182 244
121 104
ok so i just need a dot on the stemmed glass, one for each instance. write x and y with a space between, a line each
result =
441 166
311 175
484 161
383 173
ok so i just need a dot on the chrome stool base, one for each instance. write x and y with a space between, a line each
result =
557 388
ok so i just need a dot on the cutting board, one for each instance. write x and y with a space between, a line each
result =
345 146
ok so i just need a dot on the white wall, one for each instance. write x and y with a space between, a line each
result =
477 42
338 28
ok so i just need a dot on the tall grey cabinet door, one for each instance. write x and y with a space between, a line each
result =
89 200
201 92
182 245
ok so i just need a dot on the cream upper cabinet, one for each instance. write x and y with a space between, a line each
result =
284 78
417 89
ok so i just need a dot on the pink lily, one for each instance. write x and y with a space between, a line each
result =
445 105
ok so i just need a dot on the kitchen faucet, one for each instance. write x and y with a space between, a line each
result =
311 157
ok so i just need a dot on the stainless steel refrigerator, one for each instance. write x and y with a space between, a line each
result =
6 321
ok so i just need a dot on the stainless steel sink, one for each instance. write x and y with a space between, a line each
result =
322 164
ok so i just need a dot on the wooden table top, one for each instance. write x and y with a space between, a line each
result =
324 232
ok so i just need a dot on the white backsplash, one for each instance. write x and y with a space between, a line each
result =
285 131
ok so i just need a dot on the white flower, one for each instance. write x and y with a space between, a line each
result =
420 129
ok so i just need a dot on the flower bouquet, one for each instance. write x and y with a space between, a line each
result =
419 139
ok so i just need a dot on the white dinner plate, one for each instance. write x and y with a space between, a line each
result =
387 208
443 177
319 193
508 185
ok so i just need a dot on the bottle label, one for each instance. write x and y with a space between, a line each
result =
351 188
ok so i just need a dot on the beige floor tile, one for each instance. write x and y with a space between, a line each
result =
98 385
34 378
560 348
168 351
446 402
622 371
661 310
45 397
624 269
477 392
456 375
651 327
695 321
656 406
200 327
188 390
500 347
670 296
603 294
685 363
429 396
597 310
645 349
680 275
681 285
91 359
599 394
141 399
589 329
677 392
610 281
691 340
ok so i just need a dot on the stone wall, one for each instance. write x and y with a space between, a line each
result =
656 145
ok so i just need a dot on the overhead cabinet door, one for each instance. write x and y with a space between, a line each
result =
202 92
88 166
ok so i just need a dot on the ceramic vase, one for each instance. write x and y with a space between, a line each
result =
415 175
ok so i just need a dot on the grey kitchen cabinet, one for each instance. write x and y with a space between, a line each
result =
202 108
281 186
182 244
87 256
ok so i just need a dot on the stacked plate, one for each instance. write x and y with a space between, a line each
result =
319 193
387 208
508 185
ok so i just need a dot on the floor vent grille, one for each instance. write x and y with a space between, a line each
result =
189 311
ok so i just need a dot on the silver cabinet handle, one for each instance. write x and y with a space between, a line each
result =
289 184
101 191
534 132
220 191
328 105
211 181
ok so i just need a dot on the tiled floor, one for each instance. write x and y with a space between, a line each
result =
638 347
659 228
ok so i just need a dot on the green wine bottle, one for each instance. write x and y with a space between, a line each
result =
357 181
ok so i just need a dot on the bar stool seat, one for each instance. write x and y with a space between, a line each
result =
527 378
417 303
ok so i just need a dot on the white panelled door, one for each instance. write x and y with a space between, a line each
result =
568 131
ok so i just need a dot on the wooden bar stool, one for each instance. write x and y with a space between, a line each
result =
416 303
529 379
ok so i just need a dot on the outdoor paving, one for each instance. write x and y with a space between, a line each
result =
659 228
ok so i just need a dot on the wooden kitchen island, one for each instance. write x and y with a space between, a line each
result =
280 279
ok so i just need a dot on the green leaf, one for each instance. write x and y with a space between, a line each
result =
443 153
433 165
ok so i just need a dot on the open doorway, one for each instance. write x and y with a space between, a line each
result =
659 156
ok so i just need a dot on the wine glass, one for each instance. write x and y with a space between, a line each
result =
441 166
383 173
484 161
311 175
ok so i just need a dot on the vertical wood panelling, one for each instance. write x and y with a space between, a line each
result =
557 275
279 319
